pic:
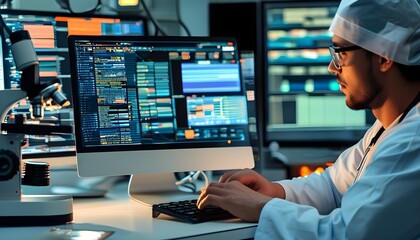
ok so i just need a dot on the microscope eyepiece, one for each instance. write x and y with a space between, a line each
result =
23 50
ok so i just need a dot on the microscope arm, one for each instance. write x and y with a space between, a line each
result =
8 98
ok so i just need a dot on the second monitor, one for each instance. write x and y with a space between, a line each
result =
151 105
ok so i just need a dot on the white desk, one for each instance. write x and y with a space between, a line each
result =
131 220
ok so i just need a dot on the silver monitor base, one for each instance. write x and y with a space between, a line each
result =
157 188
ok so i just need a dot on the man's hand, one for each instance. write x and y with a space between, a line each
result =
255 181
234 197
242 192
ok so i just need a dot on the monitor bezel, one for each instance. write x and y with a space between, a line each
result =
138 147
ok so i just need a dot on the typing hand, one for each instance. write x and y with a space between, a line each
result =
254 181
234 197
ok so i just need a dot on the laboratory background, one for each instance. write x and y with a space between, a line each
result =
297 120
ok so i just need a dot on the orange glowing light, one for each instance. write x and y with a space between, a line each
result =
319 170
305 171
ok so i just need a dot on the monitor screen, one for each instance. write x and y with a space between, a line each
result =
158 104
49 31
302 100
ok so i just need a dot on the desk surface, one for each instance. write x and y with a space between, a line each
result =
131 220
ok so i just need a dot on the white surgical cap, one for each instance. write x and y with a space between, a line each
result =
389 28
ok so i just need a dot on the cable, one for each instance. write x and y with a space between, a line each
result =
206 179
190 186
4 26
178 17
158 28
191 178
105 5
5 47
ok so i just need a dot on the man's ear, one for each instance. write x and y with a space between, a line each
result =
385 64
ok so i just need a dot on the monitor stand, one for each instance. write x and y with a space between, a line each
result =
155 188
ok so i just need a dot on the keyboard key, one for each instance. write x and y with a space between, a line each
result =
187 211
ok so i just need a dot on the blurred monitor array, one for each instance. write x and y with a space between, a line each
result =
49 31
302 100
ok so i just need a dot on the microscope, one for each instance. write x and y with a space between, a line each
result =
17 209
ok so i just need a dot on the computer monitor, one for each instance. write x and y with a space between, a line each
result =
302 101
49 31
152 106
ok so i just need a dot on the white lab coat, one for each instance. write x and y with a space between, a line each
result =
384 203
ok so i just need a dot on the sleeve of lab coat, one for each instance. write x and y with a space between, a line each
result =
382 204
314 190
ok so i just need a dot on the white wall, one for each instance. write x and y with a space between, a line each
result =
195 15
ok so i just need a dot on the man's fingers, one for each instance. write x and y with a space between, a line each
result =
204 192
210 200
227 175
212 190
244 176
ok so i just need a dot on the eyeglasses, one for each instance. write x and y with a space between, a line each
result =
336 57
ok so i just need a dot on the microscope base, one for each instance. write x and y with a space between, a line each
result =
36 210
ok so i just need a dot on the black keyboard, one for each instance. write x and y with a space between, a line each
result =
187 211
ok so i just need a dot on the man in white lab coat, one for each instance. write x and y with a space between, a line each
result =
373 189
